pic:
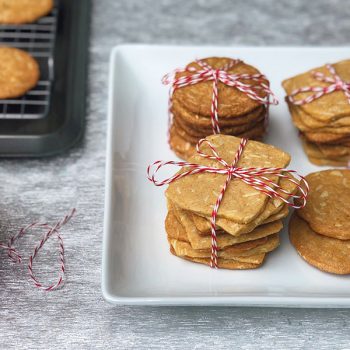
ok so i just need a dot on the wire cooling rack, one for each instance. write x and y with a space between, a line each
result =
38 39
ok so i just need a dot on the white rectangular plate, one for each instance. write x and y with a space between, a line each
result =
137 267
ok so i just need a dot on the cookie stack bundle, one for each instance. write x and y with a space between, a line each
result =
319 102
247 220
320 231
216 95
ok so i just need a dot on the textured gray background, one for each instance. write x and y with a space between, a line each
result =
77 316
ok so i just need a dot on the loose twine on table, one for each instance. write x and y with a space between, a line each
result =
14 255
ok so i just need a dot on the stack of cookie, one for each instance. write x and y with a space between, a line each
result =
198 110
247 222
319 102
320 231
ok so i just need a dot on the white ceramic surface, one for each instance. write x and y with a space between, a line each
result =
137 267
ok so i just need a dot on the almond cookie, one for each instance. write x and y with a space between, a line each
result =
224 239
23 11
325 253
329 107
328 207
19 72
247 249
195 120
241 203
197 98
240 263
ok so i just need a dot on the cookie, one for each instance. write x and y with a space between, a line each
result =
325 253
329 107
328 162
256 130
19 72
194 120
326 150
228 264
327 210
309 122
246 249
241 203
326 137
23 11
227 130
197 98
185 225
203 224
185 146
300 123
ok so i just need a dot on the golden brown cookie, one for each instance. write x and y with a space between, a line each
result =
311 123
246 249
256 130
327 210
237 264
227 130
324 137
19 72
328 162
23 11
329 107
300 122
203 224
182 148
325 151
194 120
327 254
241 202
232 102
199 241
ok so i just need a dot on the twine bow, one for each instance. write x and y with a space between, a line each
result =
50 231
336 84
208 73
254 177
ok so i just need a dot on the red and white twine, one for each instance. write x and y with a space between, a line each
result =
254 177
336 84
50 231
208 73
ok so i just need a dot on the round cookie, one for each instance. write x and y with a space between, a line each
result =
328 162
19 72
228 130
327 210
325 253
325 137
196 120
259 129
23 11
232 102
184 146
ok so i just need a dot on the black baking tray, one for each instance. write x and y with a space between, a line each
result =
63 124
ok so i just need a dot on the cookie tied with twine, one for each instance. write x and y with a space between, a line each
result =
216 95
232 182
319 103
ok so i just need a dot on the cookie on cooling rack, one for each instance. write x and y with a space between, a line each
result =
23 11
19 72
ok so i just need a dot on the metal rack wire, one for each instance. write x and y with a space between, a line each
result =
38 39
